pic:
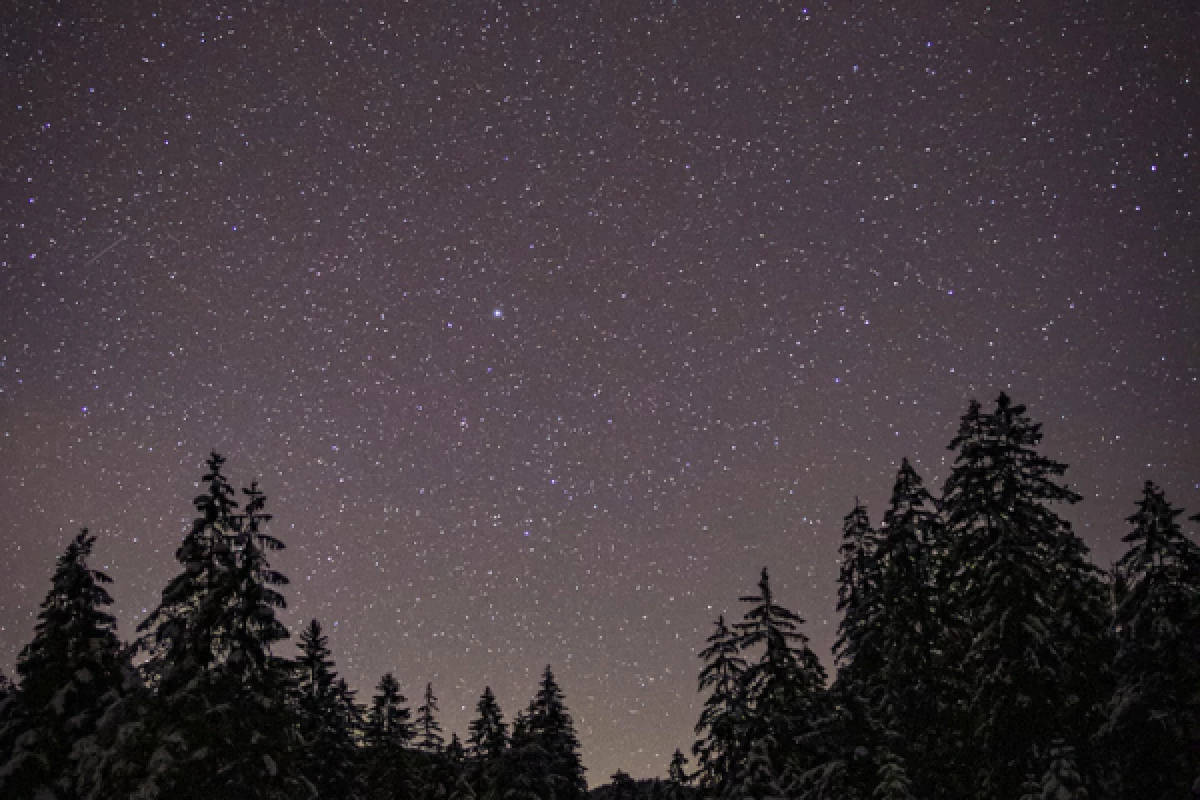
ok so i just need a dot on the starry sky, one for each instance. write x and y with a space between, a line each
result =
544 326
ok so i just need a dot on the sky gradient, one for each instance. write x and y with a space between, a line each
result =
545 326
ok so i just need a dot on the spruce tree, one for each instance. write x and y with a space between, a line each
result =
725 714
487 740
429 730
1153 725
677 777
548 727
71 671
487 733
785 686
904 688
1062 780
1012 590
389 731
221 722
328 720
857 649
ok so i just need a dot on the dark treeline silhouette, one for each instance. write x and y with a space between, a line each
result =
199 706
980 656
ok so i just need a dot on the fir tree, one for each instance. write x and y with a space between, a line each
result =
429 730
1012 591
548 728
487 740
785 686
677 777
487 733
905 685
857 649
1153 726
70 672
389 731
328 719
1062 780
221 722
725 713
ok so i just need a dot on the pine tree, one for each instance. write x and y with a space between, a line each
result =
70 672
388 733
1012 591
221 722
725 713
328 719
1153 726
429 730
785 687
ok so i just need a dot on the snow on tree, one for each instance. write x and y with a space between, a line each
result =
221 721
1153 725
725 711
1012 586
785 687
71 671
328 720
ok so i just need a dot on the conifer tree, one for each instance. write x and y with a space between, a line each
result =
905 685
548 727
785 686
487 733
857 649
1013 589
221 722
70 672
677 777
1153 725
429 730
389 731
328 719
487 740
725 714
1062 780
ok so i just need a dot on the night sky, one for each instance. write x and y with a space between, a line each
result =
545 326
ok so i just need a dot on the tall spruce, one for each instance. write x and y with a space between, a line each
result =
549 728
785 686
905 685
429 730
487 733
725 713
328 720
388 771
1153 725
221 721
487 741
70 672
1007 579
857 649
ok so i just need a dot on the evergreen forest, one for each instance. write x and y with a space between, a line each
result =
981 655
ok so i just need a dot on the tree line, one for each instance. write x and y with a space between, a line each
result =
980 656
199 705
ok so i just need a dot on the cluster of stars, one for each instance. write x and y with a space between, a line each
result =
544 327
